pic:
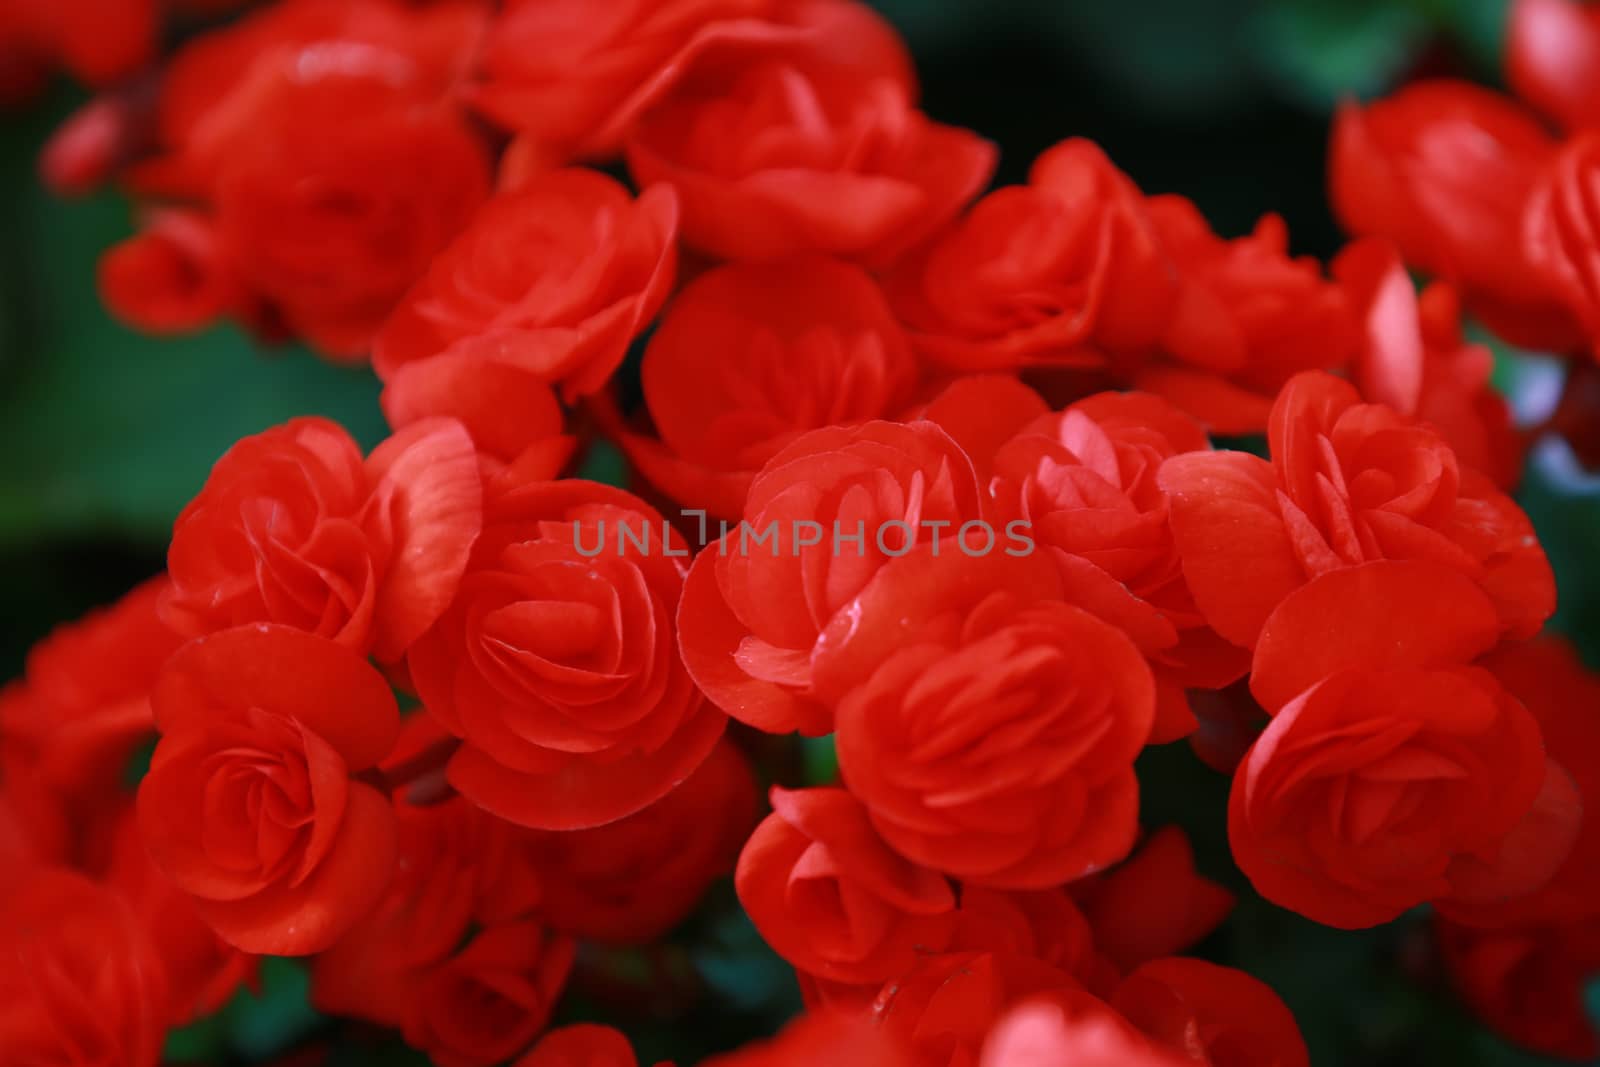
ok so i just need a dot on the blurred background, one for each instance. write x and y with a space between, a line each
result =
104 435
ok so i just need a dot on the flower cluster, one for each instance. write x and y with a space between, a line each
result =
918 466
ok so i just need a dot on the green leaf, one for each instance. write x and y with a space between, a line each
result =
261 1027
820 760
106 432
604 463
1323 50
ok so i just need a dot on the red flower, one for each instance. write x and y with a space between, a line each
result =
34 829
815 149
98 41
748 358
1550 680
1444 170
1348 483
1043 1033
558 663
573 78
1041 924
487 1003
81 982
561 273
1154 905
1248 318
1529 984
1553 59
455 868
633 880
944 1008
249 805
216 87
294 527
1391 775
86 706
1062 703
171 277
513 416
1561 235
757 600
1416 360
1057 272
834 1038
835 901
581 1045
337 202
1214 1015
203 971
1085 481
317 138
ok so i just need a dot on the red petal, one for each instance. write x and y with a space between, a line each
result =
1236 551
312 915
1380 615
320 684
428 499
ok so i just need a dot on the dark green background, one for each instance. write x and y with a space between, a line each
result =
105 434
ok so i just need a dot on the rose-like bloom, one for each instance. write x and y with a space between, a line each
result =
512 414
838 1039
1085 481
1444 169
82 983
943 1008
98 42
455 868
203 971
250 805
816 149
1057 272
757 600
1550 680
319 138
981 412
339 200
573 78
951 669
1214 1015
581 1045
1248 318
1000 750
558 662
294 527
34 828
1391 775
748 357
1553 59
632 881
1561 236
1044 1033
1529 984
85 706
490 1000
832 899
1416 360
1154 905
561 273
1348 483
171 277
1041 924
215 87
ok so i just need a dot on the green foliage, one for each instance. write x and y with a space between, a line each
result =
255 1026
107 433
